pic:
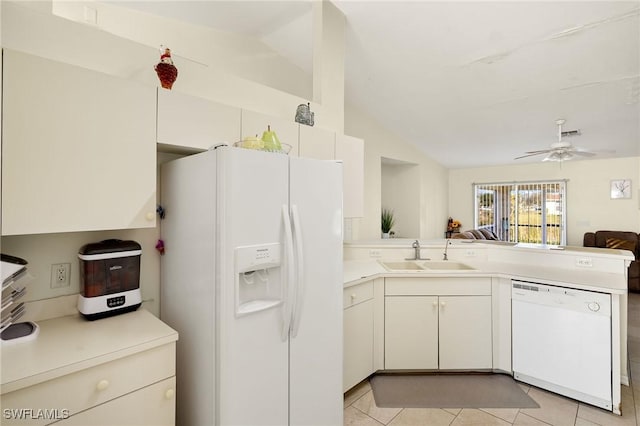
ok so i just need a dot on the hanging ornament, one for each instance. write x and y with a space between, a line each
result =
167 72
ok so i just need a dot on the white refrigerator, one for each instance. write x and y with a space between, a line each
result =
251 279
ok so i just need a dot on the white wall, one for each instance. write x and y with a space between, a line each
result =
401 191
31 29
589 206
235 54
41 251
432 198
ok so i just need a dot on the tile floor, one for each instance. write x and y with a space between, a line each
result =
361 410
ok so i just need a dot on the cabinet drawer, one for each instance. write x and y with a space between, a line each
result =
154 405
437 286
87 388
357 294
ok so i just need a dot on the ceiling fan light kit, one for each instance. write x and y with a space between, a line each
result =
561 150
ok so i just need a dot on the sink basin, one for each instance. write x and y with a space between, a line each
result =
402 266
446 265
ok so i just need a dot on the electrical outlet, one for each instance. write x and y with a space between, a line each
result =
375 253
60 275
584 262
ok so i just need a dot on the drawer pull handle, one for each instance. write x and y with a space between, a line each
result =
102 385
169 394
353 296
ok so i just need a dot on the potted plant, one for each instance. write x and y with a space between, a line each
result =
387 222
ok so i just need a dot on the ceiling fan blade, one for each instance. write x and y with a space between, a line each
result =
583 153
531 154
540 151
596 151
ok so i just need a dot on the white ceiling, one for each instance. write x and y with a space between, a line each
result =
471 83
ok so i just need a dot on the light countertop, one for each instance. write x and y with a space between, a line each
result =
71 343
357 271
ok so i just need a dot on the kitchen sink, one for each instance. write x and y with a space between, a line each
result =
425 266
402 266
446 265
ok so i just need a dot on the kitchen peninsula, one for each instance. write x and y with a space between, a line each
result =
390 301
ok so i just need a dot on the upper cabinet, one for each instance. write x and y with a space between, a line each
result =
317 143
351 151
78 149
195 123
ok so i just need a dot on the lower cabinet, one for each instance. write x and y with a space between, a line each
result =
411 332
358 334
138 389
438 330
465 332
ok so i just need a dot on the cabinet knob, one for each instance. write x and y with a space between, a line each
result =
169 394
435 303
443 304
102 385
150 216
353 296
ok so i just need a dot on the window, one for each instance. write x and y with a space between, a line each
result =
524 212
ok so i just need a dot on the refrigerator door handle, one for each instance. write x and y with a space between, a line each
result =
299 282
288 282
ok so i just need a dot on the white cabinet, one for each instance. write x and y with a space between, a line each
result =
118 370
153 405
351 151
255 123
411 332
194 123
78 149
465 332
440 323
358 333
317 143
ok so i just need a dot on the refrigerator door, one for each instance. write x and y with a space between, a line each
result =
252 365
316 333
187 290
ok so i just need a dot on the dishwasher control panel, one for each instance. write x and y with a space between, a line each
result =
564 297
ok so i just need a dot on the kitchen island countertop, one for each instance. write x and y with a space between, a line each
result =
554 267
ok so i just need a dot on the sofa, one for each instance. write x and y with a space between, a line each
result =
622 240
476 234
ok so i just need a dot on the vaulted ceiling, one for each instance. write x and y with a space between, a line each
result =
472 83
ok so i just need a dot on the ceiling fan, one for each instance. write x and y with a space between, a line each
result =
561 150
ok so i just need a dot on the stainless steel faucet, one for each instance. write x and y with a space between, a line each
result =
416 247
446 246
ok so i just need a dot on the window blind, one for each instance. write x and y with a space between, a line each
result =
529 212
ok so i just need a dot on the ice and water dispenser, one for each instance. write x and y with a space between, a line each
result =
258 278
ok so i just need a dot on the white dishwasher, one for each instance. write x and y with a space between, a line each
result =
562 341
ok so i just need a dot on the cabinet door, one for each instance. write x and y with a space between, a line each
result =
255 123
317 143
78 149
465 332
411 332
195 123
154 405
351 151
358 343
